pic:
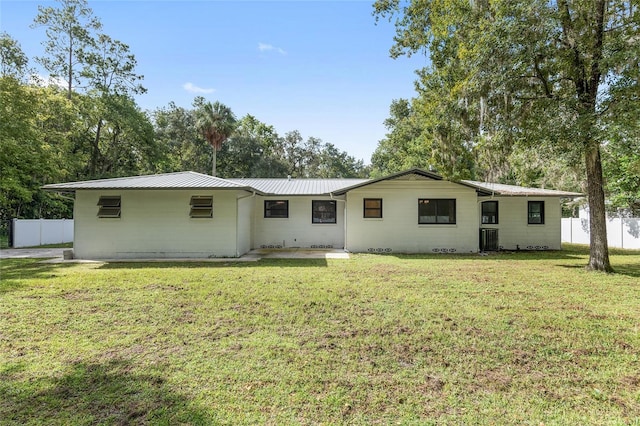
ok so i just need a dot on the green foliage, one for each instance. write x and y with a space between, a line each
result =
528 74
404 147
253 149
182 147
70 33
96 130
216 122
118 137
31 152
511 338
621 157
13 61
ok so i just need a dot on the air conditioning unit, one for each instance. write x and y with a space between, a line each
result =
488 239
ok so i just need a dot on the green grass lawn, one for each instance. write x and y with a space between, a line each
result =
526 338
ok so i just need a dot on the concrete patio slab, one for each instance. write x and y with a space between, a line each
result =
299 253
55 255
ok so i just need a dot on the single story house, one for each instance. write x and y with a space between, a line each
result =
189 214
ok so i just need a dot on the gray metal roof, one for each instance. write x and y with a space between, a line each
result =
417 173
514 190
297 186
193 180
179 180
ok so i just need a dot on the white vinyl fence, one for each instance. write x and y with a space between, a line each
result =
621 232
38 232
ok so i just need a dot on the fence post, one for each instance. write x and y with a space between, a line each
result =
571 230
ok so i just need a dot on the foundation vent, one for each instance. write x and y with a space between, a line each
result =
379 250
444 250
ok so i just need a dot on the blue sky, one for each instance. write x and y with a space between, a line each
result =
320 67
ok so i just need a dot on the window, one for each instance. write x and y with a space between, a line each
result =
536 213
109 206
490 212
438 211
372 208
201 207
276 208
323 211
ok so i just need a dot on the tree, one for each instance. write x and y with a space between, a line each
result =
122 143
621 158
255 151
216 122
109 69
69 34
404 146
13 61
33 149
179 140
541 72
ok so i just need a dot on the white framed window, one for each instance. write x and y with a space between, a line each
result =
535 213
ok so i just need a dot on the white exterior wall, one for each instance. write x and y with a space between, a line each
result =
297 230
155 224
399 231
245 224
513 229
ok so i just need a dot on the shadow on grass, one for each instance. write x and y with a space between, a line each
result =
628 269
12 271
95 393
285 263
500 255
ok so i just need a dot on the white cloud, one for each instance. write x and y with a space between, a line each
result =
192 88
264 47
43 81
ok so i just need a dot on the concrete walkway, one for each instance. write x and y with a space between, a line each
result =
55 255
299 253
34 253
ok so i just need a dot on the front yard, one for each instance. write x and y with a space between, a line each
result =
514 338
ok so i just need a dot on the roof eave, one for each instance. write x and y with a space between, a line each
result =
417 171
53 188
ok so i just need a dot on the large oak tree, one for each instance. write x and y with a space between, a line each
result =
533 72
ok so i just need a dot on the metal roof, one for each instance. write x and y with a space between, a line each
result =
297 186
277 186
179 180
514 190
418 173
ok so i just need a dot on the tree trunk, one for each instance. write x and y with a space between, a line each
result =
213 168
70 76
599 252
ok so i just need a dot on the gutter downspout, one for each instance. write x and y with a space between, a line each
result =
344 215
238 219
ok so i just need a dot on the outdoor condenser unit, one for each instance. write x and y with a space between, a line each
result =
488 239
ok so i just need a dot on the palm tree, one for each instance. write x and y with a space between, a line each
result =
216 122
